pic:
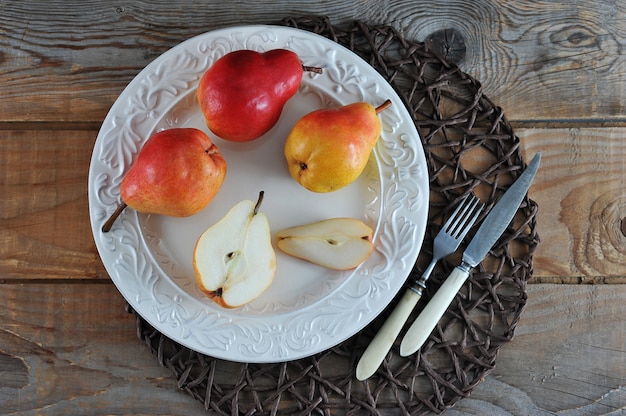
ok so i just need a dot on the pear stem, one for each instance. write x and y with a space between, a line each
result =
315 69
383 106
107 225
258 202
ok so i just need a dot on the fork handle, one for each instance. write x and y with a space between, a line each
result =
382 342
426 321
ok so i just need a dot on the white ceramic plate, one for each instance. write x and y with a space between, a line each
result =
307 309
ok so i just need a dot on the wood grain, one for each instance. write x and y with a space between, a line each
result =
72 349
538 60
541 61
568 356
44 207
580 188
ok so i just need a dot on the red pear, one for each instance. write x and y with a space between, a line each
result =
177 173
243 93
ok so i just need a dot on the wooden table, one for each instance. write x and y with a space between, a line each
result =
557 68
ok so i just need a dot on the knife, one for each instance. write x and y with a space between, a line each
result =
489 232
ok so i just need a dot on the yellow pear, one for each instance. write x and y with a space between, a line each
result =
328 148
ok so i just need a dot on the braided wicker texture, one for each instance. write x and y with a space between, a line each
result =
470 147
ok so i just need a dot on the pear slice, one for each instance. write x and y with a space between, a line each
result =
336 243
234 260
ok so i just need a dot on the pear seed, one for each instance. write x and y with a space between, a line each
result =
230 256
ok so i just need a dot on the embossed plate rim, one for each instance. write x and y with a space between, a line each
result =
129 256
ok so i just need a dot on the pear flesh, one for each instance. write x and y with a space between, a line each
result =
336 243
234 260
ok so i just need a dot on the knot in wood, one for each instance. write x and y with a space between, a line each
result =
448 44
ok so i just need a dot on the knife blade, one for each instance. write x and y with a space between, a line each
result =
489 232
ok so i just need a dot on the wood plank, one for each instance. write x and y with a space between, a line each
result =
568 356
89 52
44 213
65 347
539 60
580 189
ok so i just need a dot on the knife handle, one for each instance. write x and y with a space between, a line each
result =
433 311
387 334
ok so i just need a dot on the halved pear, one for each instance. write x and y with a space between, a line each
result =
234 260
336 243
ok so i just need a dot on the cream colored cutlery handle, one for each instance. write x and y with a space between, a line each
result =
384 339
433 311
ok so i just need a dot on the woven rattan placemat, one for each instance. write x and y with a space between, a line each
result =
470 147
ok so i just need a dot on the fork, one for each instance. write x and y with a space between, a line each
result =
446 242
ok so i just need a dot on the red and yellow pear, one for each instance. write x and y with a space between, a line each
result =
177 172
328 149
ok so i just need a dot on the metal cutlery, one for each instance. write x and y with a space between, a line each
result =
489 232
446 242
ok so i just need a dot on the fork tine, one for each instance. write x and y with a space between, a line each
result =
460 215
454 218
473 211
